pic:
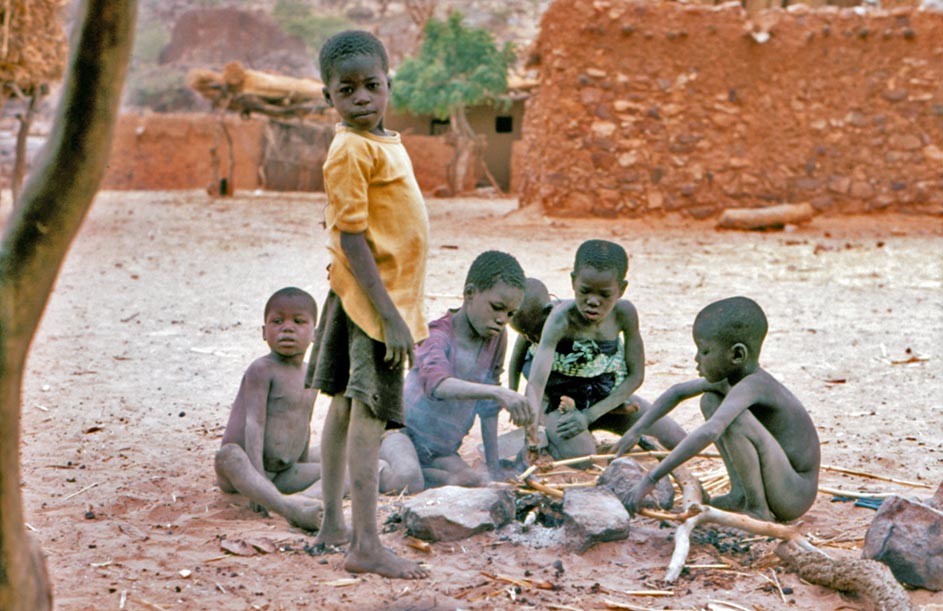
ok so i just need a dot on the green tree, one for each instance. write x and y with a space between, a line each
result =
457 67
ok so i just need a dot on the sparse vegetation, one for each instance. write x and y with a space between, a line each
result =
457 67
297 18
149 39
160 88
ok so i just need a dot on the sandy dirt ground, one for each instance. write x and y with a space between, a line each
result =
158 309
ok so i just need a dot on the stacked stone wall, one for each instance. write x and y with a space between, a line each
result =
653 107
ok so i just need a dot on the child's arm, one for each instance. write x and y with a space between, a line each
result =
660 408
398 339
489 439
516 366
739 398
540 367
514 403
255 394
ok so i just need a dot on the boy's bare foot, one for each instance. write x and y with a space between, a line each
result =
304 512
332 536
728 502
760 513
387 564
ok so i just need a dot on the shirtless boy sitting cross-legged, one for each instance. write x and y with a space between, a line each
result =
265 453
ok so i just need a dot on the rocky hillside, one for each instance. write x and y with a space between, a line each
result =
176 35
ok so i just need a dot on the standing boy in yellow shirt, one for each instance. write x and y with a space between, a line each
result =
379 234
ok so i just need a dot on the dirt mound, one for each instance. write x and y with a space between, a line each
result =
214 37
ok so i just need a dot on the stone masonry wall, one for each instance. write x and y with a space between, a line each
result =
651 107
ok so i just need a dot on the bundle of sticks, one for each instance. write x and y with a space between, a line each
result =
870 579
245 91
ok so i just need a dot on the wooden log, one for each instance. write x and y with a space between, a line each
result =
270 88
772 217
868 578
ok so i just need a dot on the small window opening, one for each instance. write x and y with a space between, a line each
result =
504 125
438 127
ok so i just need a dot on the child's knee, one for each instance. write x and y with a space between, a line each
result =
393 480
226 456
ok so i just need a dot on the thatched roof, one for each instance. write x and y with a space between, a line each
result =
33 43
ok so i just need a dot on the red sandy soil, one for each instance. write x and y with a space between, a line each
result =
157 312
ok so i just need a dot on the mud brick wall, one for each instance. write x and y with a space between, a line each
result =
652 107
172 151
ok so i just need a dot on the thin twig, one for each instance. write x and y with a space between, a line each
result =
856 495
873 476
611 604
728 604
78 492
779 587
554 492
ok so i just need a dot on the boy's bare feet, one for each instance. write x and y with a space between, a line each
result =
303 512
386 564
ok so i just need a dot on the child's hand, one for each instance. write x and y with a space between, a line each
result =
399 343
626 443
516 404
572 424
641 490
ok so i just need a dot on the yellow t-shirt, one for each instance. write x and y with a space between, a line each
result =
371 189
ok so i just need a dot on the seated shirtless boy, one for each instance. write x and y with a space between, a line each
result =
590 358
764 434
265 454
456 378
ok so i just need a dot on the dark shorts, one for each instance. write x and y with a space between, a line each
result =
347 361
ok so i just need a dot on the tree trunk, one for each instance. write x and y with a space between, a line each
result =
463 140
45 220
22 137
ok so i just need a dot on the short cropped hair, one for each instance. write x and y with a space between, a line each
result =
532 313
492 266
734 320
602 255
350 43
291 292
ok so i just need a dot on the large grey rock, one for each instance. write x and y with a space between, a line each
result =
451 513
591 516
907 536
622 475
